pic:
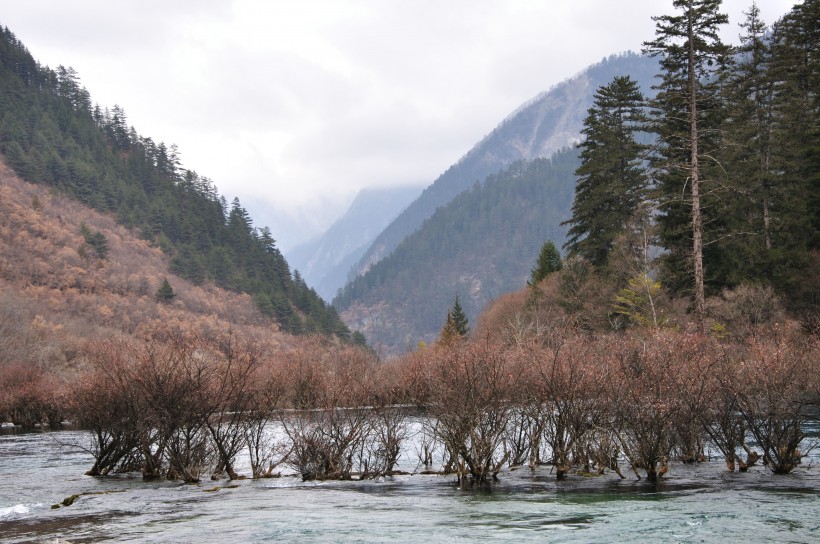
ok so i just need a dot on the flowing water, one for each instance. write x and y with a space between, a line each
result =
694 503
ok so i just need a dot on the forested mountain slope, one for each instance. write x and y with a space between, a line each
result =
479 246
70 275
51 133
548 123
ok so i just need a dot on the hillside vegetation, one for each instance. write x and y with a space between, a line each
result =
543 126
478 247
58 291
52 133
706 184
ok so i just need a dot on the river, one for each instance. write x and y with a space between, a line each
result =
694 503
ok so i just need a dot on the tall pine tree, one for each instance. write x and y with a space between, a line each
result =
746 249
612 179
549 261
456 326
795 68
688 116
462 324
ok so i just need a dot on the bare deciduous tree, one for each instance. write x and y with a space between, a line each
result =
470 403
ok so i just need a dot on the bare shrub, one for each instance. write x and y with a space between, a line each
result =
268 392
746 310
644 397
565 396
178 403
30 396
522 437
470 387
229 397
330 432
324 443
388 426
711 387
104 406
774 399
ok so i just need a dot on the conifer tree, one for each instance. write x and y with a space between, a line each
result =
449 332
796 67
748 88
549 261
95 240
612 179
165 293
456 325
795 71
357 338
688 116
459 318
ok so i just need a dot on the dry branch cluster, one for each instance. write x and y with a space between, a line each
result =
587 403
178 404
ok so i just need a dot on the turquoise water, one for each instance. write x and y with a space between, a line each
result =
695 503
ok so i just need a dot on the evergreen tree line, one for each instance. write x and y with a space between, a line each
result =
50 132
729 187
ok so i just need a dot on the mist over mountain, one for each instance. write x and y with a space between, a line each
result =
476 231
325 260
297 224
544 125
478 247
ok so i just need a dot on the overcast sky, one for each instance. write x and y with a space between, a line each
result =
287 102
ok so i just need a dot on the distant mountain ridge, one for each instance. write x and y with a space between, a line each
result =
478 247
325 261
447 242
540 127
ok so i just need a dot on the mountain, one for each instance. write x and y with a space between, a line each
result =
478 247
297 224
549 122
70 275
325 261
51 133
477 230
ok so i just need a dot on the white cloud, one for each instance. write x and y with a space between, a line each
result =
287 101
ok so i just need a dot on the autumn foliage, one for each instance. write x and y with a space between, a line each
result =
58 292
593 403
184 389
175 403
